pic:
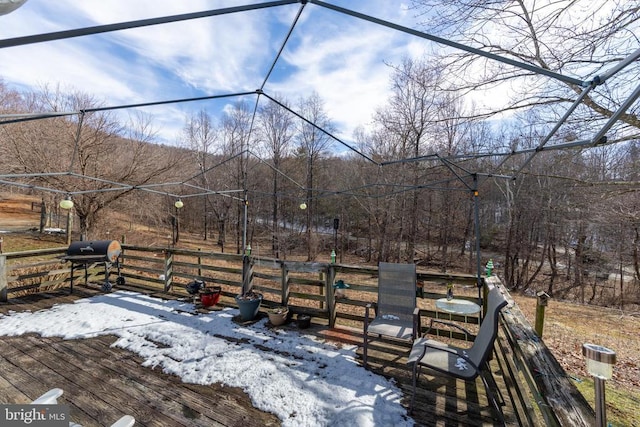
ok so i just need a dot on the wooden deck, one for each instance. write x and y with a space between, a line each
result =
102 383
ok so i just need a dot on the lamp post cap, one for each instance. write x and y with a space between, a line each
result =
599 353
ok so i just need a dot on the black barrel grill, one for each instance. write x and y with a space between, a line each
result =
96 251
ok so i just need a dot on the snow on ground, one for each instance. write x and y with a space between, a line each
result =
302 380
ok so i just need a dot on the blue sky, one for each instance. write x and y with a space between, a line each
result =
342 58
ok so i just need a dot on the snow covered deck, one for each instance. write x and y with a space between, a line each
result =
103 382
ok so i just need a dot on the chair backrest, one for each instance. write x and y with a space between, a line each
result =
488 332
396 290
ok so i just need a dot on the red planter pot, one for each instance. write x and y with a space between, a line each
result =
210 296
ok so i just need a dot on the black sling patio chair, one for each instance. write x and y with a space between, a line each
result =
462 363
396 314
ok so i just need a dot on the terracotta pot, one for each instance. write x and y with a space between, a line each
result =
278 315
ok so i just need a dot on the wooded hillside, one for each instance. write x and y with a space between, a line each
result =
554 195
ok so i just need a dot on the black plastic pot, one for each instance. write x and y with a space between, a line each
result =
303 321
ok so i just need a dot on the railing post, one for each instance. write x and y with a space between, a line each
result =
330 298
323 276
123 240
3 278
168 270
542 301
285 284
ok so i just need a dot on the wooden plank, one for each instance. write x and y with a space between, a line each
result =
306 267
212 255
103 401
53 272
270 277
154 272
432 276
554 388
356 269
43 379
268 263
157 258
224 406
10 393
518 393
215 268
364 288
39 286
114 388
4 285
303 281
36 253
55 261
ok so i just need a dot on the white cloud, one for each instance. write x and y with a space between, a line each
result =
338 56
345 60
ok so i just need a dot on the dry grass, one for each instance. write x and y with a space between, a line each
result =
569 325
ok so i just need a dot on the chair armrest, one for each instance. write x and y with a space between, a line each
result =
49 398
126 421
453 325
417 326
368 307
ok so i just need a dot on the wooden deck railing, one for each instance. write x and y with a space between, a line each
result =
539 389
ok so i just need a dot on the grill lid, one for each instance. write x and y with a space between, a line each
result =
91 251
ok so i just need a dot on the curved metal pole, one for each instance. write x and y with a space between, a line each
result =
476 220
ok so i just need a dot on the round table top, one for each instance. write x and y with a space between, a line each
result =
458 306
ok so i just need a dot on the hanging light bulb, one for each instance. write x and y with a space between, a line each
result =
178 204
67 203
303 206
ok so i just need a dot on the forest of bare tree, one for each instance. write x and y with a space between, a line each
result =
565 221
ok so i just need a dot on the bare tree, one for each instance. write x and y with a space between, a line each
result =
200 135
236 128
312 144
276 130
96 151
577 38
408 125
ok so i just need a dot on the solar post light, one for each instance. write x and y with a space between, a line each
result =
600 361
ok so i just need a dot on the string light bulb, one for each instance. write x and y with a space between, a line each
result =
66 203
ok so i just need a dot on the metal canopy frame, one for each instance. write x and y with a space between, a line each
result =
588 85
449 161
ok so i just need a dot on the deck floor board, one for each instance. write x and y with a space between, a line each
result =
101 382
